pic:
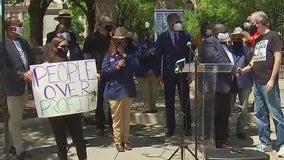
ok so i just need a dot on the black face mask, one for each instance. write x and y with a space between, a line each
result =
237 43
109 28
253 29
62 52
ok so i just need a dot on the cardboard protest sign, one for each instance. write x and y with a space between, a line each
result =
65 87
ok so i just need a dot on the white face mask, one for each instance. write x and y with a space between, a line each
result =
178 27
247 25
65 35
223 37
208 32
19 30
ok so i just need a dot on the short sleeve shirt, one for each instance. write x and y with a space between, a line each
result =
263 59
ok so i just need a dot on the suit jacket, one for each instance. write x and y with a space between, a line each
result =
119 82
15 67
212 51
170 54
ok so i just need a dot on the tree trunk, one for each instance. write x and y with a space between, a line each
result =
36 23
37 9
91 15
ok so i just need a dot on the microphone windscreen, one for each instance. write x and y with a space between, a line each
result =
188 43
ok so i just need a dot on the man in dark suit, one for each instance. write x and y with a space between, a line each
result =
214 50
172 46
18 76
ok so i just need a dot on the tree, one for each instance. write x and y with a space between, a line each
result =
234 12
37 9
88 8
133 14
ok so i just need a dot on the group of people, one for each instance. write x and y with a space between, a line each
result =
256 57
118 60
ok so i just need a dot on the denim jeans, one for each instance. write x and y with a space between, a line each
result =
268 103
243 94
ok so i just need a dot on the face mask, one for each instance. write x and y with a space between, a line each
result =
247 25
253 28
223 37
208 32
109 28
65 35
19 30
237 43
62 52
178 27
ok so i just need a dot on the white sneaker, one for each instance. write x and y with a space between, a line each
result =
264 148
281 152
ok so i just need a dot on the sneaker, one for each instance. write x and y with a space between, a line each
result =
264 148
281 152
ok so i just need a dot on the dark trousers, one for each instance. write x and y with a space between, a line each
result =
71 123
100 113
170 84
222 112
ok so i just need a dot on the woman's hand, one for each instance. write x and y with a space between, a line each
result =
121 63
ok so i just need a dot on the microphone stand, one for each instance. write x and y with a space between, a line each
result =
182 146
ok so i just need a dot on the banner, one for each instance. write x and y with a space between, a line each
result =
160 17
65 87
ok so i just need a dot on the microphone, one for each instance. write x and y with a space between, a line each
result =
188 44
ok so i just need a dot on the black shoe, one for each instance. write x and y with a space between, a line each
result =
12 150
101 132
170 133
241 135
24 156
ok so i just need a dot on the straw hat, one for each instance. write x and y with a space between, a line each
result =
121 33
63 14
239 33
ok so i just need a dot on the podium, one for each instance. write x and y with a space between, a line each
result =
205 76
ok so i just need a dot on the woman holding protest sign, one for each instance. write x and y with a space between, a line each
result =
72 123
117 68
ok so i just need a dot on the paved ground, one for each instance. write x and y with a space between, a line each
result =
148 140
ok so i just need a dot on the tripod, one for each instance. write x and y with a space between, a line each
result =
182 146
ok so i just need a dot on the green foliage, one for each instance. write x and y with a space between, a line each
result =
133 14
77 26
26 30
191 22
234 12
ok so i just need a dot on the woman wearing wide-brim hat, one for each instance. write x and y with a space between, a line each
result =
117 68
